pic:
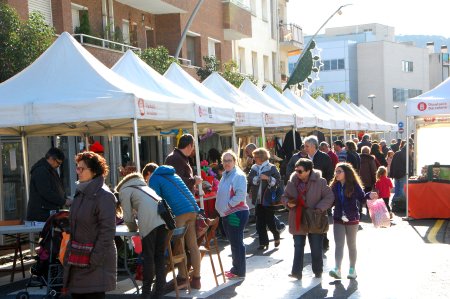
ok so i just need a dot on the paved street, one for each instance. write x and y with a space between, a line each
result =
396 262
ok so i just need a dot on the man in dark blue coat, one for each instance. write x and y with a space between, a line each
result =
46 188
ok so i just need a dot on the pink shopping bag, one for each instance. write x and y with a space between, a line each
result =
378 213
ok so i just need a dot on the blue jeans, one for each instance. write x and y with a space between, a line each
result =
398 189
234 228
315 243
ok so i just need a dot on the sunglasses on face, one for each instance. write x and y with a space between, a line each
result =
299 171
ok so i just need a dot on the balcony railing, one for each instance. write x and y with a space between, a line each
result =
104 43
291 33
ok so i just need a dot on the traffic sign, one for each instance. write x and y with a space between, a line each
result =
401 130
400 124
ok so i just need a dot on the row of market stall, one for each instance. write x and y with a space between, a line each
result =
67 91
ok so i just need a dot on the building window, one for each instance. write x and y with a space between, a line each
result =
274 67
126 31
76 13
266 67
44 7
255 65
402 94
213 45
150 36
333 64
264 10
407 66
242 60
191 53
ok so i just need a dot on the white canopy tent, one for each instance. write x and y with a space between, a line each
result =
284 118
431 114
341 121
379 123
249 113
303 119
67 91
318 109
319 118
131 67
354 123
179 76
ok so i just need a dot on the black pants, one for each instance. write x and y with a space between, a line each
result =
153 246
89 296
264 219
386 202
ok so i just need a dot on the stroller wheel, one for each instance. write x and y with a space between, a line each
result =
22 295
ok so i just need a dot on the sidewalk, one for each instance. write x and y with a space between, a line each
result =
395 262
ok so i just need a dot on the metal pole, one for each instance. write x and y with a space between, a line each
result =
136 146
407 167
186 28
263 134
233 139
112 154
331 137
197 163
25 165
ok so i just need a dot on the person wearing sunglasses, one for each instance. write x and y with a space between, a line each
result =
264 178
306 188
348 196
46 187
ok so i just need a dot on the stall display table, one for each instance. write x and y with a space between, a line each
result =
123 232
209 201
428 199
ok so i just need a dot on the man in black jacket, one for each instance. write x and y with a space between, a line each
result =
323 163
46 188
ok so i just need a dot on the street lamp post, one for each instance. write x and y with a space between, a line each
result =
291 79
371 97
395 109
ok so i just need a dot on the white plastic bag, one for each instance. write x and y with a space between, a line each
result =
378 213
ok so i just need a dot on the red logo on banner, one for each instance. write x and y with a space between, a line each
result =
422 106
141 107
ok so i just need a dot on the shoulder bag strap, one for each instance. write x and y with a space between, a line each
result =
135 187
181 190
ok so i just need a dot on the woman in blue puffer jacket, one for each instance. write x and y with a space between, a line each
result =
171 187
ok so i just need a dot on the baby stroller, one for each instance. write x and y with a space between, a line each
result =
48 270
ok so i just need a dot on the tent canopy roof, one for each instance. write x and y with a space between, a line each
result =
67 91
433 102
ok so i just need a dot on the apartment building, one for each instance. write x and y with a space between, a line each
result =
264 55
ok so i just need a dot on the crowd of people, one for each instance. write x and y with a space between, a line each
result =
317 177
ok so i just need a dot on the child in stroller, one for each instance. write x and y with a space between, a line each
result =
48 270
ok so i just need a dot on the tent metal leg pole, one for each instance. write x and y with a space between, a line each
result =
345 135
113 162
331 137
293 137
86 142
407 167
160 149
136 146
25 166
233 139
263 134
197 163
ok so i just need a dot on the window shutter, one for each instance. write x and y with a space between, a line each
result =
44 7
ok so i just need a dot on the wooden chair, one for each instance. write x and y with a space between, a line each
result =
17 246
175 239
207 248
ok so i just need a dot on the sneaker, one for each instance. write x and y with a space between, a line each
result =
352 273
231 276
336 273
296 276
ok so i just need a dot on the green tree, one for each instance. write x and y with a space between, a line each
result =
317 92
85 26
211 64
339 97
21 42
231 74
158 58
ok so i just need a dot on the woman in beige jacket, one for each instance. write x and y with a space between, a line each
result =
306 188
